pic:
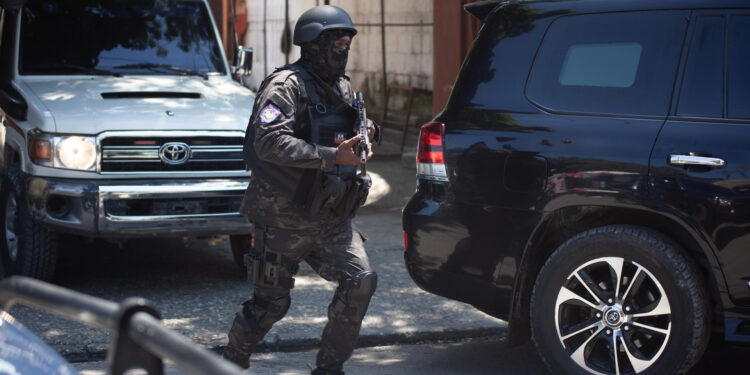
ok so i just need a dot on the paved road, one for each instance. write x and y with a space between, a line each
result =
194 284
475 357
479 357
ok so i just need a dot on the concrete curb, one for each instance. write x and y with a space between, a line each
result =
365 341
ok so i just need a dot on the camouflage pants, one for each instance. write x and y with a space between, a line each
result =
337 254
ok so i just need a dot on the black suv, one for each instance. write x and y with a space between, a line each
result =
589 181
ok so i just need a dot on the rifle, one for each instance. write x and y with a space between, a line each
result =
363 147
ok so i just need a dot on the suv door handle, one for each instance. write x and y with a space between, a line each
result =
687 160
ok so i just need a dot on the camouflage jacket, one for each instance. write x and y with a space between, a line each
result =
276 152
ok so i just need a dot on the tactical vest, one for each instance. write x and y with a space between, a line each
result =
325 120
330 121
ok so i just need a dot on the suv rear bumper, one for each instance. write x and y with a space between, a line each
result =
463 251
139 208
436 245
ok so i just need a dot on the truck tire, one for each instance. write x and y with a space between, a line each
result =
27 248
619 300
241 245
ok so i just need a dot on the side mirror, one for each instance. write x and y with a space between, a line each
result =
243 61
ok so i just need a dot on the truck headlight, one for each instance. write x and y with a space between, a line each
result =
77 152
70 152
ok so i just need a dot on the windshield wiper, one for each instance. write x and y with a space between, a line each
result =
171 68
74 67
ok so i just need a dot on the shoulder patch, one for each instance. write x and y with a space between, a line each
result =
269 113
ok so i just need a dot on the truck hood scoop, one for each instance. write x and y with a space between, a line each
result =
150 95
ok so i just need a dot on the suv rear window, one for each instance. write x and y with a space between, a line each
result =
609 63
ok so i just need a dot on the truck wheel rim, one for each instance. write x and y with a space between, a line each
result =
11 240
612 316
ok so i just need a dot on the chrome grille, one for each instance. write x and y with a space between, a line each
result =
133 154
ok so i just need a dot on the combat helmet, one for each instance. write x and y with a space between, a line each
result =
318 19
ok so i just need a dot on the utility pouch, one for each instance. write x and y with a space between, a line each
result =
254 258
356 194
326 194
269 268
272 269
252 264
271 265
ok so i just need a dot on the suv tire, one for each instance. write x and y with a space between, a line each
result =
576 302
27 248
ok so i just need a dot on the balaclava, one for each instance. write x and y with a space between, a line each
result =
327 60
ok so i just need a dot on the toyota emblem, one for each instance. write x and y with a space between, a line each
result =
613 317
174 153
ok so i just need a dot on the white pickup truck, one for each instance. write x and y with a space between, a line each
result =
120 119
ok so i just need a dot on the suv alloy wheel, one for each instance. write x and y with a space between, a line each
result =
619 300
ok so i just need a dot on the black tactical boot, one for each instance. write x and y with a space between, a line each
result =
241 343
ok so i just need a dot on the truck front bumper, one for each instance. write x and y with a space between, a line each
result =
139 208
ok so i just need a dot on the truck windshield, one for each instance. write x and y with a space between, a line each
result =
118 37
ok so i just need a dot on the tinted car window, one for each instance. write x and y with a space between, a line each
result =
601 65
702 92
739 67
615 63
111 35
499 57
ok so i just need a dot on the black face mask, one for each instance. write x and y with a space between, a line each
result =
327 60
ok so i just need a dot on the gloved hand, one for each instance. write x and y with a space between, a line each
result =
345 154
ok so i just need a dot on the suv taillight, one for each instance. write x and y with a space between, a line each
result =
430 160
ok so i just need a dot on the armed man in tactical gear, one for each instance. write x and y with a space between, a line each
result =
304 191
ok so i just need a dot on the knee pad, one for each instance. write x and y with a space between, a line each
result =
361 285
353 295
262 312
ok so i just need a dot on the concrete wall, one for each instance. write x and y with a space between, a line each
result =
408 39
